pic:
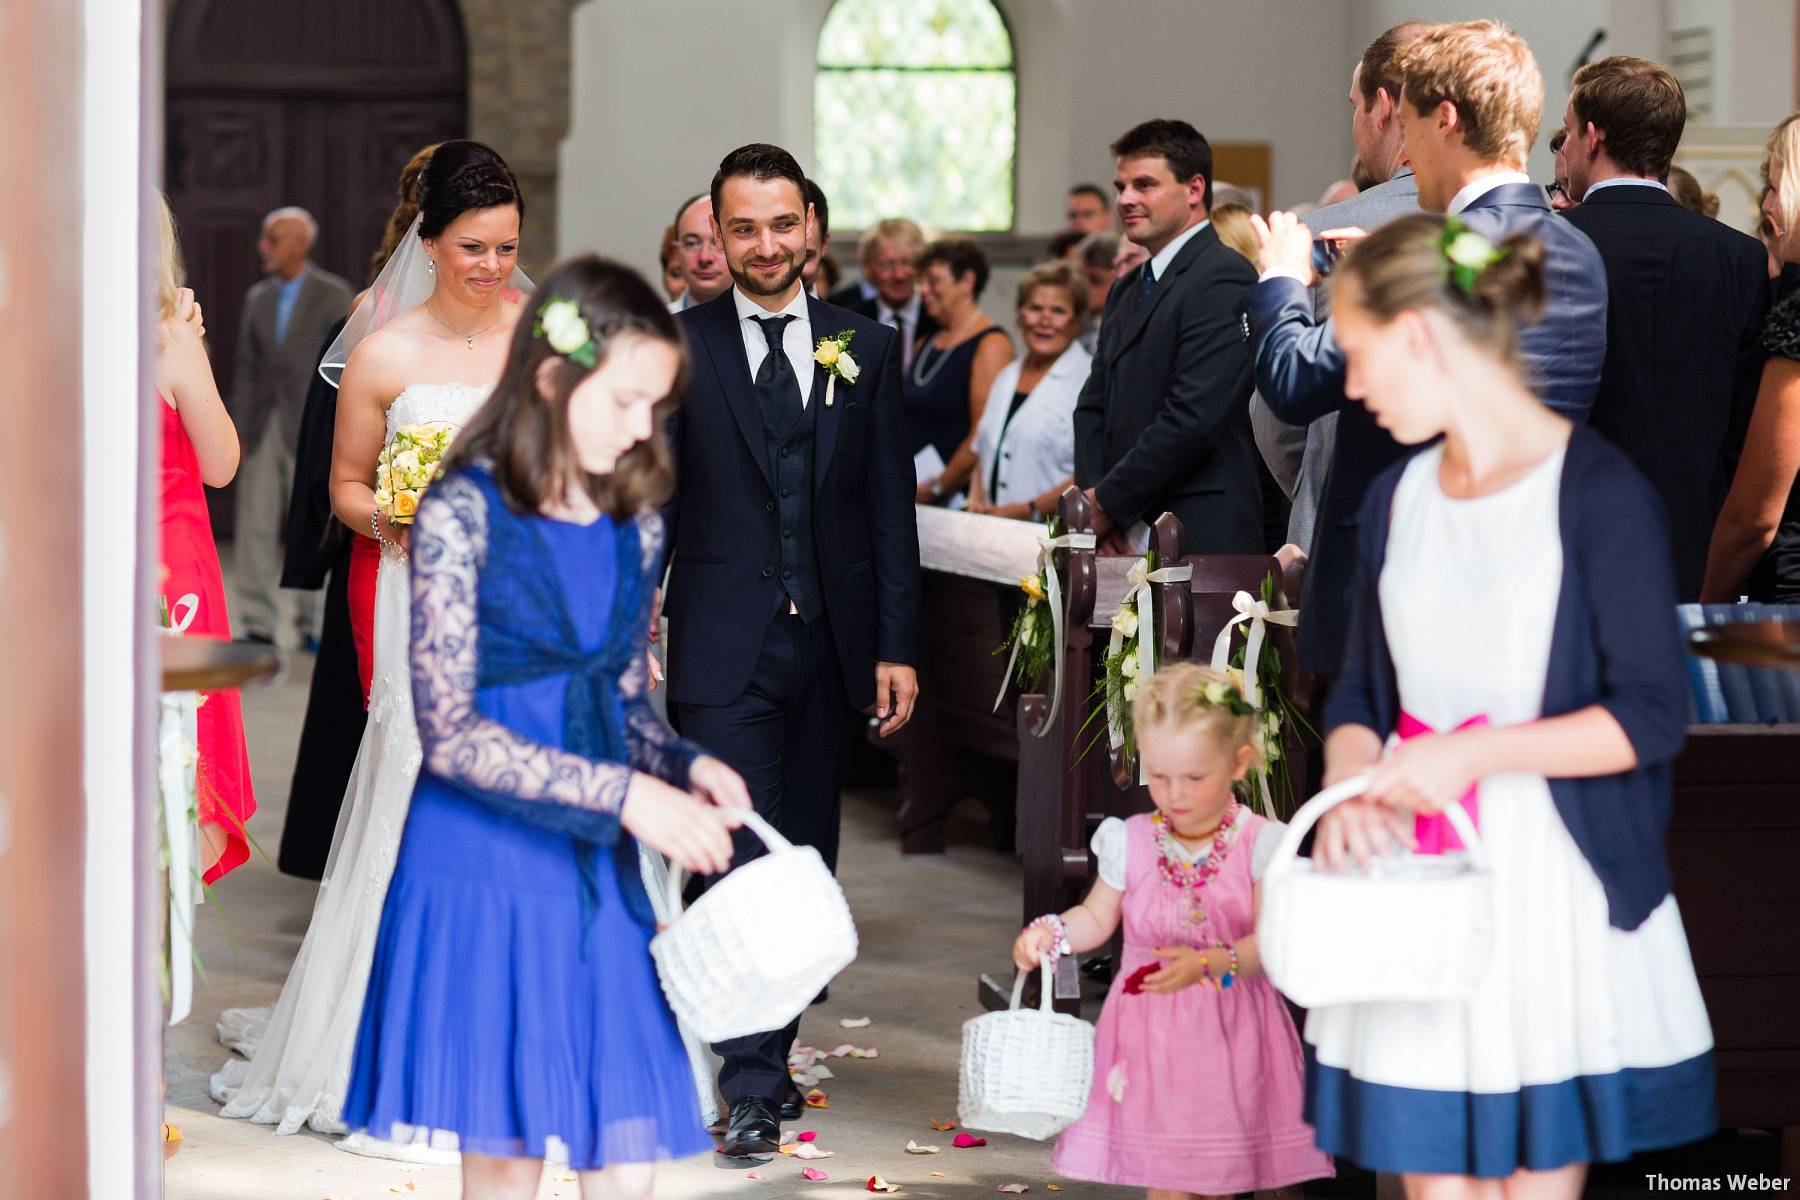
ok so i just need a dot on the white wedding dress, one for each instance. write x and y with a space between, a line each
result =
298 1068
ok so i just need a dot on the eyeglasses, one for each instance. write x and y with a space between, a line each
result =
1553 190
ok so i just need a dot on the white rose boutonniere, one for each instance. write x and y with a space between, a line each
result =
833 353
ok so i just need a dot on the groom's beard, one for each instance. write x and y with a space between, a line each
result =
752 285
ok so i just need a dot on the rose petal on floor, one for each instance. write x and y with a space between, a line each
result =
855 1022
1016 1189
808 1135
937 1174
913 1147
806 1150
966 1141
817 1099
754 1176
941 1125
814 1174
878 1184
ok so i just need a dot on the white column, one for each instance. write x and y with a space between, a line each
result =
112 404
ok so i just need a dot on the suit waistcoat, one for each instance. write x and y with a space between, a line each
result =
791 463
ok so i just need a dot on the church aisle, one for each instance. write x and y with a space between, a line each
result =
928 926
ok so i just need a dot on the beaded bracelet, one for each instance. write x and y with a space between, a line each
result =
1059 934
380 539
1231 969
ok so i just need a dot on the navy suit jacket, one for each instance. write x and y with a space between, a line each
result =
1683 353
724 529
1300 376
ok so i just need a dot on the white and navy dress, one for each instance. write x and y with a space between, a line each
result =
1588 1039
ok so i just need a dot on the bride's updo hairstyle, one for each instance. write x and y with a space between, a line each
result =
524 433
463 176
1427 262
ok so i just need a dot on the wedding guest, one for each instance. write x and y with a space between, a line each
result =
1558 189
1128 258
512 967
1756 545
1197 1076
199 450
1231 193
831 272
1063 243
319 554
946 387
702 258
1690 195
1299 369
1359 174
818 241
1095 256
1163 424
669 257
1688 297
1235 229
889 253
1025 442
1089 209
1549 706
285 316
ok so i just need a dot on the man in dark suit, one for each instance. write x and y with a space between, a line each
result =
1689 294
1471 101
1163 423
284 320
889 251
793 594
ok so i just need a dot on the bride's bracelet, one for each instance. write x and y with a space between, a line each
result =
382 539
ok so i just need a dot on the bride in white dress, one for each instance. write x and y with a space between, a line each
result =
424 347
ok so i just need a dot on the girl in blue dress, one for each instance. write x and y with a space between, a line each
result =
512 998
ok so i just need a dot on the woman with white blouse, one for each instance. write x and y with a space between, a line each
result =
1025 444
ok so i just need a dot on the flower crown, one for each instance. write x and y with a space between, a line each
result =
1466 254
1218 693
560 323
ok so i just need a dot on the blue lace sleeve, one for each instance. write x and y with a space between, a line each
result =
538 783
655 749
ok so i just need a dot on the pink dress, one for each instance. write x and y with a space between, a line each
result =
1209 1081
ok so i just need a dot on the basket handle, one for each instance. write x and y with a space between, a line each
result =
753 821
1349 789
1045 1002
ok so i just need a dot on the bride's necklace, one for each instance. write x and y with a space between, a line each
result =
1192 878
468 338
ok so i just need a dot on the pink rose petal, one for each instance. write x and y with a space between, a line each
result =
808 1135
1016 1189
1115 1083
814 1174
965 1141
754 1177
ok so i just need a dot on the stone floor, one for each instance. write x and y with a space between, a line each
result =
928 927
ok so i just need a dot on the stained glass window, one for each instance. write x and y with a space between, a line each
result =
914 113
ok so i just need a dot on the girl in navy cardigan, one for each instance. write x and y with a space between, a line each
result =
1513 648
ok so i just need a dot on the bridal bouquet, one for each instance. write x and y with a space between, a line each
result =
408 465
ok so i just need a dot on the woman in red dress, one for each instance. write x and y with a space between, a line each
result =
199 450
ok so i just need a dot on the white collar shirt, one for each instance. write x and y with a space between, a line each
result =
796 337
1476 189
1161 261
1627 181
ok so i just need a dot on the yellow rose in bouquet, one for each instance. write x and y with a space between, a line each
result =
408 465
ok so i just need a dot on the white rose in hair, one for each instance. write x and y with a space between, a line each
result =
564 327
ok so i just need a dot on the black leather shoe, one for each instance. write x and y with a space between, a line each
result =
753 1134
793 1103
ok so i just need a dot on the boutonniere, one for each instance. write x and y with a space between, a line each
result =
833 353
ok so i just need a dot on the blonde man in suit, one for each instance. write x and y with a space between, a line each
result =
286 317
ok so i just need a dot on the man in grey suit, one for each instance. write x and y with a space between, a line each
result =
285 320
1299 445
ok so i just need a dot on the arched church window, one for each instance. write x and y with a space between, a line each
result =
915 113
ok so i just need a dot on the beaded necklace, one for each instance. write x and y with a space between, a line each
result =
1189 877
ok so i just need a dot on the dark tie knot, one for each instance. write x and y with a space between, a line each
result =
773 328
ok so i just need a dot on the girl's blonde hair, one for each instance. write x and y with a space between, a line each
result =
1184 696
170 274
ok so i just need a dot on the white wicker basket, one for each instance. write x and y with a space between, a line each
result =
731 965
1025 1071
1410 928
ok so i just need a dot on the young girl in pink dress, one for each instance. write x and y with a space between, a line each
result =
1197 1069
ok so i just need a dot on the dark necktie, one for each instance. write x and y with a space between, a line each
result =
1146 281
899 323
777 388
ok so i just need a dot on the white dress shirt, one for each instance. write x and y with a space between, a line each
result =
796 337
1624 181
904 320
1159 262
1478 188
1038 451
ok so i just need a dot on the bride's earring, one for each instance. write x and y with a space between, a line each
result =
431 266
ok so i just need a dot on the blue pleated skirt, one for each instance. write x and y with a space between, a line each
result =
508 1007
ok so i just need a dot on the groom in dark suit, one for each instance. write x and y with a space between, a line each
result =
793 596
1163 423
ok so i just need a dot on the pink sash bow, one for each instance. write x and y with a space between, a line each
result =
1433 831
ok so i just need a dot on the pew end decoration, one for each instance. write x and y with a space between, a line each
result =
1255 665
1035 641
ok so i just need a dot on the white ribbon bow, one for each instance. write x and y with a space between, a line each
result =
1142 598
178 624
1259 615
1053 598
